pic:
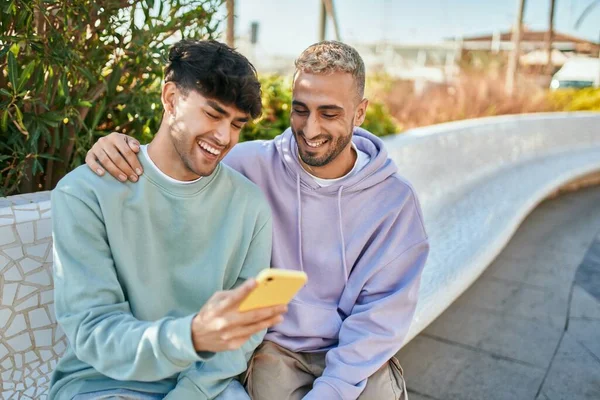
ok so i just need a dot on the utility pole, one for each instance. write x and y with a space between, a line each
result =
327 8
230 23
323 22
513 61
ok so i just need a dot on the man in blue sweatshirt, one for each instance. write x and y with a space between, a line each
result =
342 214
149 277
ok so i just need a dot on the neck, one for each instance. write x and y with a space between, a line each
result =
164 155
337 168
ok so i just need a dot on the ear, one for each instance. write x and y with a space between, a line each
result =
169 97
361 112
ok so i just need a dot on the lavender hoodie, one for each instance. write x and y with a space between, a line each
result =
363 245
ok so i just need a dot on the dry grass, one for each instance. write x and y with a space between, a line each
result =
473 95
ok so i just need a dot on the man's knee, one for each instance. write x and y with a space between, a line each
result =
386 383
275 373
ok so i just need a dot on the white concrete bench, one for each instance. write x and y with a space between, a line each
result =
477 181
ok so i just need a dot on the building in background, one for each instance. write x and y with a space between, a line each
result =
438 63
531 41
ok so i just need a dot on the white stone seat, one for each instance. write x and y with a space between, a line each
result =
477 181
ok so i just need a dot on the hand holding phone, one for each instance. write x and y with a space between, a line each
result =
274 287
221 326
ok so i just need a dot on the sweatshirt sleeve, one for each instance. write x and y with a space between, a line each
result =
381 316
91 306
208 379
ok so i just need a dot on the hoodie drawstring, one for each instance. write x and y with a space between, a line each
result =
342 234
339 204
299 223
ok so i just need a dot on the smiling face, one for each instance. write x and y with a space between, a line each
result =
202 130
325 109
210 92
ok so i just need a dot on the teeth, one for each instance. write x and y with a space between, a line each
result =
314 144
209 148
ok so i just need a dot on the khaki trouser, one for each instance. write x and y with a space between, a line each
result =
275 373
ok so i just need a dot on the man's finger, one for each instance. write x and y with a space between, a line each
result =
249 330
236 296
117 158
134 145
110 166
258 315
130 157
90 160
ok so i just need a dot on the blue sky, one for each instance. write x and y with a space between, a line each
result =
289 26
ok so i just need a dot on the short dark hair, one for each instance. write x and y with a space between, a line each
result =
216 71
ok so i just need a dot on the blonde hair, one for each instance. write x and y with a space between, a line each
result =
328 57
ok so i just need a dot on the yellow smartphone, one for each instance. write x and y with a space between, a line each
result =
275 287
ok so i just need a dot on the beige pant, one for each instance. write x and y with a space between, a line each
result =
275 373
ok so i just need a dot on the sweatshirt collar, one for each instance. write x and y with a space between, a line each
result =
171 186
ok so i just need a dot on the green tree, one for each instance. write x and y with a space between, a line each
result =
74 70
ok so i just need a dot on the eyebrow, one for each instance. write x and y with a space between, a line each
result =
323 107
220 110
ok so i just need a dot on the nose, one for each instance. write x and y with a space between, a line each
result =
223 133
312 128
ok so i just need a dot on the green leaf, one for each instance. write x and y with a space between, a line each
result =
36 47
35 135
4 50
113 81
37 166
13 70
6 92
7 7
5 121
26 75
52 124
99 114
19 115
84 103
49 157
19 121
88 75
51 116
63 87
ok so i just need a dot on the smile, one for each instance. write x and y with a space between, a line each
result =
314 144
208 148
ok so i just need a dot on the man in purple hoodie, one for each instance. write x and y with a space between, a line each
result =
342 214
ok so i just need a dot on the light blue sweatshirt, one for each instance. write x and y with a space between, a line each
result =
133 264
363 245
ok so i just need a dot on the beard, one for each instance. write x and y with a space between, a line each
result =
334 147
189 159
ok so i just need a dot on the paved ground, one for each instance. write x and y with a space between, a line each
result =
529 328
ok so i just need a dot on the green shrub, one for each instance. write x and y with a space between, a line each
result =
379 121
74 70
276 101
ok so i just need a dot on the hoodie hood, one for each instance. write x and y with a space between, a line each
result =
379 168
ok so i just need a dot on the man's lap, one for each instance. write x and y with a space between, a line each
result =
275 373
